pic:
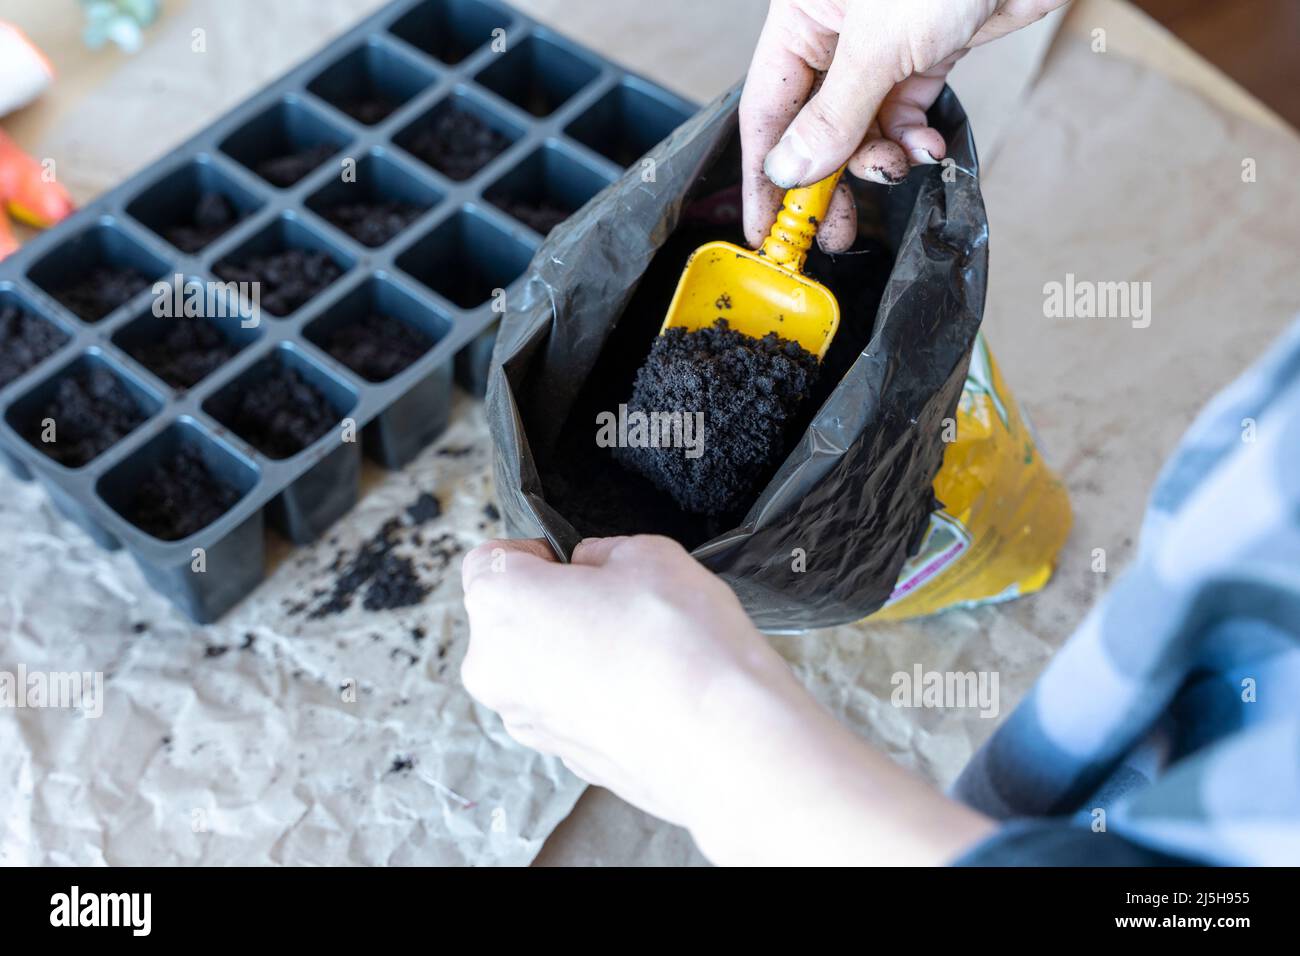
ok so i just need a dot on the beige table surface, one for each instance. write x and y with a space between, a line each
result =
1107 433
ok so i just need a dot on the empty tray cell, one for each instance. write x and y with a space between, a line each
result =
626 122
371 82
378 330
282 404
97 271
193 206
26 339
183 348
545 189
81 411
285 143
458 137
451 29
465 259
177 484
283 267
538 75
377 203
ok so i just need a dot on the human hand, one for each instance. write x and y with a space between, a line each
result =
640 669
884 64
617 663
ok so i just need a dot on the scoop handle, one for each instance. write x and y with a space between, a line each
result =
802 211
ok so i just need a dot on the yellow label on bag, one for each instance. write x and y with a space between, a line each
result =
1004 517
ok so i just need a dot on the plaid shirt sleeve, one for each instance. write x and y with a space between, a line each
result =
1167 728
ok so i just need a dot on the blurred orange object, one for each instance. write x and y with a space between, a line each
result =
28 190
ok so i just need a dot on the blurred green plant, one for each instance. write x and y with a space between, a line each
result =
121 22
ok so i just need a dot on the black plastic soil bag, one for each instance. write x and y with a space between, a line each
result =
824 541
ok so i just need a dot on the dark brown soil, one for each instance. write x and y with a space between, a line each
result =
179 497
378 347
389 579
749 391
189 351
372 223
279 415
284 171
98 291
541 216
212 217
92 411
458 144
288 279
25 342
368 109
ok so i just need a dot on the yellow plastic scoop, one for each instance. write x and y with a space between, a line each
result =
764 291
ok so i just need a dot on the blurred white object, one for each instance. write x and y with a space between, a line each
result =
24 71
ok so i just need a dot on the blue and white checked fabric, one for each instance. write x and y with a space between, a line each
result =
1175 708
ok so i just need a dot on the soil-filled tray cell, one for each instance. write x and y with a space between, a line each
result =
466 259
285 143
194 206
378 330
372 82
450 30
545 189
376 203
184 350
458 137
83 410
626 122
283 404
97 271
285 267
26 339
179 483
538 75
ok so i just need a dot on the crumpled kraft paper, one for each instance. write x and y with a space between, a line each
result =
269 737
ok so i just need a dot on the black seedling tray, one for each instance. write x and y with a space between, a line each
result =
570 123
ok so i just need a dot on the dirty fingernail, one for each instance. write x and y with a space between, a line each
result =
922 157
879 174
788 162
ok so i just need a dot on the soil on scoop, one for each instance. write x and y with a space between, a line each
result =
179 497
378 347
99 291
368 109
458 144
189 351
584 482
288 279
541 216
745 392
284 171
25 342
92 411
213 216
372 223
279 415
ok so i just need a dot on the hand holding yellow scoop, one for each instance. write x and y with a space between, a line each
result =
764 291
